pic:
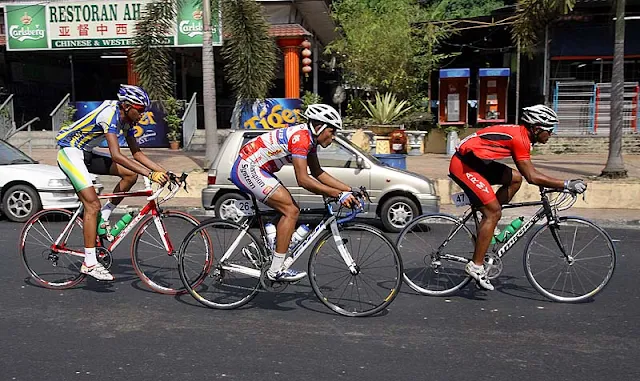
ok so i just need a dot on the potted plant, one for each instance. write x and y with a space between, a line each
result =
385 112
174 122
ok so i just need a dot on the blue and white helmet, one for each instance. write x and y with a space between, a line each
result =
134 95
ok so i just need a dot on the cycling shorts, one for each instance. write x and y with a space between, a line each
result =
250 178
475 176
78 164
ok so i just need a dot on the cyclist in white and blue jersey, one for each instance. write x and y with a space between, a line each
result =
77 159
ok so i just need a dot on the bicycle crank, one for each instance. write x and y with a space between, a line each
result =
267 283
104 257
493 265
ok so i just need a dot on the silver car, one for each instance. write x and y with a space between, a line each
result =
397 196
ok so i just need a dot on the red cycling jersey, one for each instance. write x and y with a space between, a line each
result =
498 142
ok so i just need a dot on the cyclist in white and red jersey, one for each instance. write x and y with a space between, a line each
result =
253 171
474 169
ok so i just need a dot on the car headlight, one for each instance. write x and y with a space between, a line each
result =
56 183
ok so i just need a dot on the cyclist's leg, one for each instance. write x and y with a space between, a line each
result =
509 179
71 162
101 163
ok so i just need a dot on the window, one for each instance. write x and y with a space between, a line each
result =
336 156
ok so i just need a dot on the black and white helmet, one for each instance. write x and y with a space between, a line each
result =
325 114
540 116
134 95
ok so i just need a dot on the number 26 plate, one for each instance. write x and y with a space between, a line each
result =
244 207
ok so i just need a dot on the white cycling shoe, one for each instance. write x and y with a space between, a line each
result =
479 274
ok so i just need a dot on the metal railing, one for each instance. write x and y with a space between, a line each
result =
575 103
189 122
7 117
602 115
28 127
58 115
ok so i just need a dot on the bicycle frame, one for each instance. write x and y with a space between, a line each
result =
329 220
152 207
545 211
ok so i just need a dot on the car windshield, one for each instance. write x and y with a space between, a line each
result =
367 154
11 155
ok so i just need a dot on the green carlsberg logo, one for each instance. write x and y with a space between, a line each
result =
24 31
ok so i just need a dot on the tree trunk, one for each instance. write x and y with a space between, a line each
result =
615 165
209 88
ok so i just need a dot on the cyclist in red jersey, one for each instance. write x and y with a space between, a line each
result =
474 168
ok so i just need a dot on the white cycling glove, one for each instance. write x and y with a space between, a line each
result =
343 196
576 185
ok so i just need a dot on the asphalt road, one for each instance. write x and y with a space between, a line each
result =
123 331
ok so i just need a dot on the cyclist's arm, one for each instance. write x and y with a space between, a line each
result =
322 176
535 177
119 158
309 183
140 157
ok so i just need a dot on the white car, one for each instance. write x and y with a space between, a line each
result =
26 187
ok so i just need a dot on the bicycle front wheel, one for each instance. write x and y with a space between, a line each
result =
228 284
48 267
435 248
370 286
580 273
155 266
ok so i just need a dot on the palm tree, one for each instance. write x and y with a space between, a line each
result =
209 85
615 165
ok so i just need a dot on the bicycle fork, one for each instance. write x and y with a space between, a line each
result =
342 249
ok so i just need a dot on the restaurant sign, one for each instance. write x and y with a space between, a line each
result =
97 24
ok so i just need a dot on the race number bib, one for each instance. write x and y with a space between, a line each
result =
460 199
244 207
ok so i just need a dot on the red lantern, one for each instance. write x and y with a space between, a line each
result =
306 52
306 69
306 61
306 44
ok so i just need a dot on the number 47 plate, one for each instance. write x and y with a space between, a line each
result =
460 199
244 207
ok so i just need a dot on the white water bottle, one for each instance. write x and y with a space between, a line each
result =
271 235
299 235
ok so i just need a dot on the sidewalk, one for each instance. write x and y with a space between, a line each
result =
610 201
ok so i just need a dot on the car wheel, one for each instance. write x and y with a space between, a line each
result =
397 212
20 202
225 208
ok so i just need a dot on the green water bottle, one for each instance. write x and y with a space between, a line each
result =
509 230
121 224
101 230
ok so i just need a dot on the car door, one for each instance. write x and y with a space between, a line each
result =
341 162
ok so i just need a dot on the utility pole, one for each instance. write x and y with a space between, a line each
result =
209 87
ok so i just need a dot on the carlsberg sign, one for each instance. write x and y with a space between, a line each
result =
98 24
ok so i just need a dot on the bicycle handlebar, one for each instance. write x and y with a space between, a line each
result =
174 184
562 198
361 195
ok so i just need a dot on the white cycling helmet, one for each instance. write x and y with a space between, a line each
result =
540 116
134 95
325 114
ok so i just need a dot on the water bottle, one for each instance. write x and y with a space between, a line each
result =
121 224
101 230
299 235
271 235
510 230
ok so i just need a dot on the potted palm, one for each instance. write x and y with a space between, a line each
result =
174 123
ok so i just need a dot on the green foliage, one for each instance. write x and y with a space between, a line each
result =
69 112
533 17
310 98
459 9
152 61
381 46
172 107
248 50
386 109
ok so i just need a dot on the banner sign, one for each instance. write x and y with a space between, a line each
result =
97 24
271 113
151 130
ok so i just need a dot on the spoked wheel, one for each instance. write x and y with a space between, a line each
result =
156 267
365 290
577 276
47 267
435 248
225 285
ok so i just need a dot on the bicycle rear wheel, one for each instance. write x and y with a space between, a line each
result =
48 267
156 267
378 274
435 248
585 271
226 285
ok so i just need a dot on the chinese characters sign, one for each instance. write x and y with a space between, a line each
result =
96 24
